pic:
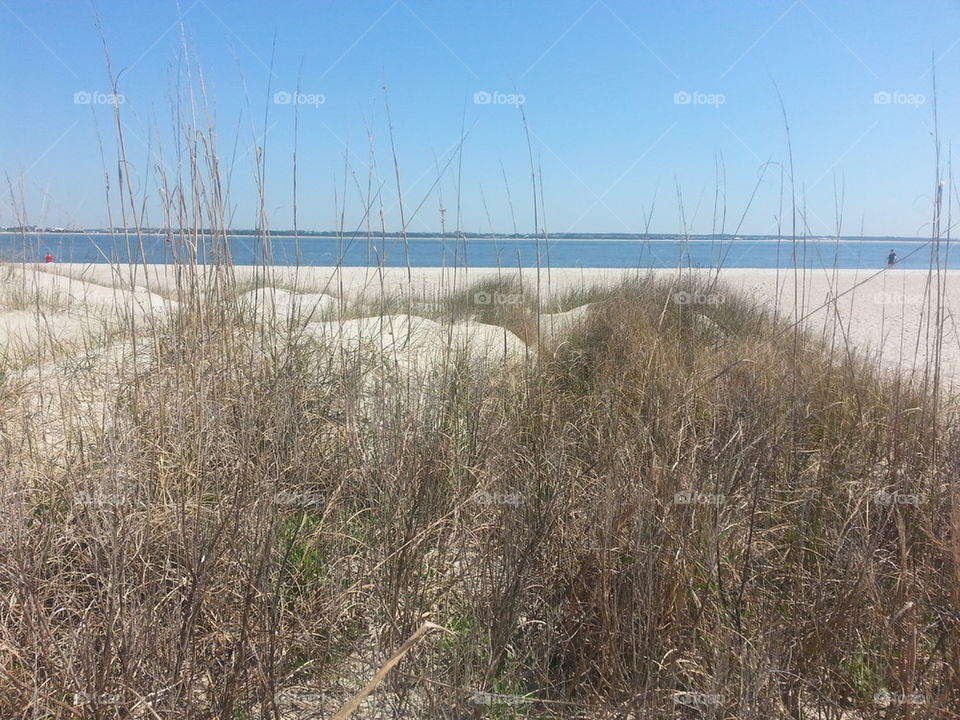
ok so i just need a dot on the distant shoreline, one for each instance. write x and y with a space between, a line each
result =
563 237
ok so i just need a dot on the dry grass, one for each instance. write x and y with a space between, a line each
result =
667 510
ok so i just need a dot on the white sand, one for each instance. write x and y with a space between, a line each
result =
553 324
412 340
883 314
278 304
880 313
21 328
55 323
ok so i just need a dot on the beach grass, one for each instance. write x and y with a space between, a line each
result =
672 501
664 508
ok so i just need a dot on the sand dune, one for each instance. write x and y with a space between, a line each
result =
65 372
282 304
38 305
411 340
879 313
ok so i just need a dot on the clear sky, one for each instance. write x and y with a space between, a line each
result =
632 105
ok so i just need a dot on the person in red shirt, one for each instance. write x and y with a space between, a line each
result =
49 258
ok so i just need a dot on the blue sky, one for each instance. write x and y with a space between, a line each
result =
630 105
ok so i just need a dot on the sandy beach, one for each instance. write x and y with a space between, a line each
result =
300 399
587 360
882 314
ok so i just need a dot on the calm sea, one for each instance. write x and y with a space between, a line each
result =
492 252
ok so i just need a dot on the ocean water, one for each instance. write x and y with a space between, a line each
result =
490 252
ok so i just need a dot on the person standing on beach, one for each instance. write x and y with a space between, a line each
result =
49 258
892 258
